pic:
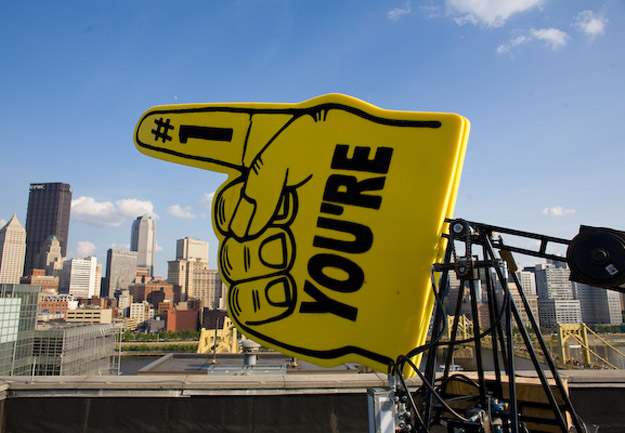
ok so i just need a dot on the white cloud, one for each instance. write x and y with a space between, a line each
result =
492 13
553 37
207 200
518 41
557 211
2 222
85 248
87 210
177 211
132 208
397 13
108 214
592 25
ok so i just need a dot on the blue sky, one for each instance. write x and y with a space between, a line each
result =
542 83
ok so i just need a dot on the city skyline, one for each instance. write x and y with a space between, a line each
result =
48 214
540 81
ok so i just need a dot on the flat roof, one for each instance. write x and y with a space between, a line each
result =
233 364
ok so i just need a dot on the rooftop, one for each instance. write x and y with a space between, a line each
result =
327 402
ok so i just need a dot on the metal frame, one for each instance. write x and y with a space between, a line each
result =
504 314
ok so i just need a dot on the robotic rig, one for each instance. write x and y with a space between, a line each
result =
492 401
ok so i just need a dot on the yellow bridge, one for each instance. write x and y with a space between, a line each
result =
573 347
578 333
219 340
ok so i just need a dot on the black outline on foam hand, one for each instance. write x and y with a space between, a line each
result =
318 113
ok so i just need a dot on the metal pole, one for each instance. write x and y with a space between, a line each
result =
492 310
527 340
478 343
454 329
437 326
512 403
119 356
550 363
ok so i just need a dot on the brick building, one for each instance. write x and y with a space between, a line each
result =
179 320
48 283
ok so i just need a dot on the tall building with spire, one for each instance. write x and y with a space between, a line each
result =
12 251
48 213
49 258
143 241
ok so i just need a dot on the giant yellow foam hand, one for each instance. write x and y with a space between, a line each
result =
330 219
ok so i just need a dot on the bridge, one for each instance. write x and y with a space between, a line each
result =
576 346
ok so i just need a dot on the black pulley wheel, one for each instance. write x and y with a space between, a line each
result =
596 256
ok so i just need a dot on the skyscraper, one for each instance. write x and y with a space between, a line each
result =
553 282
49 206
143 241
190 272
191 249
556 300
79 277
49 258
121 269
12 251
599 305
18 318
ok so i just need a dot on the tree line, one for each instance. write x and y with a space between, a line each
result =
186 334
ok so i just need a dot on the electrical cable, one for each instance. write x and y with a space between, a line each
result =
434 342
397 372
433 391
438 343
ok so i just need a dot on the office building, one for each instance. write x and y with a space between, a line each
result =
56 305
79 278
18 318
564 311
553 282
74 350
556 298
182 319
532 300
212 319
214 293
91 315
153 291
98 281
49 257
558 263
49 284
196 281
141 311
528 281
528 284
143 241
190 272
124 300
599 306
12 251
191 249
121 269
48 213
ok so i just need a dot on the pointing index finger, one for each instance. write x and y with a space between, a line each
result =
204 136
